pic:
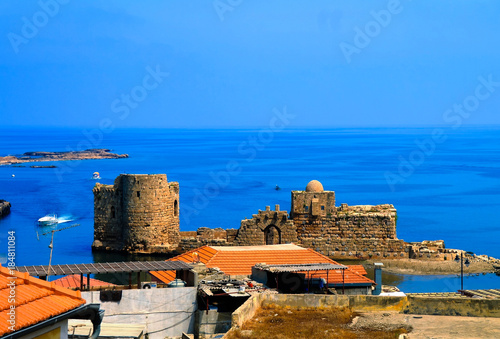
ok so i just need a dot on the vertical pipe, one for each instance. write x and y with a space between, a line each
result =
378 278
343 281
326 281
308 282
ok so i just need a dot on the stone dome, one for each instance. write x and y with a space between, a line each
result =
314 186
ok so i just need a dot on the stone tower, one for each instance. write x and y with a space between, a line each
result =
139 213
311 206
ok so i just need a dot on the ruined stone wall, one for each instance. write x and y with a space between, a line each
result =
190 240
344 232
267 228
357 249
354 222
363 231
431 250
139 213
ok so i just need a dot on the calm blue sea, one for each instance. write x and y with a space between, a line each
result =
444 189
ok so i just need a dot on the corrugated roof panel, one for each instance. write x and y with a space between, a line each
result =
106 267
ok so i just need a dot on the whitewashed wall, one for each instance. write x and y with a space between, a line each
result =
166 312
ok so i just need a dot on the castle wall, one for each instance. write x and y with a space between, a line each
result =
190 240
351 222
140 213
267 228
365 231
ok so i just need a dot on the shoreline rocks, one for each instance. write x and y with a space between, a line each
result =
94 153
4 208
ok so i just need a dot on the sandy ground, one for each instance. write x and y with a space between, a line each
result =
432 326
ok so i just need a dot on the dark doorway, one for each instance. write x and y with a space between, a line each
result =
272 235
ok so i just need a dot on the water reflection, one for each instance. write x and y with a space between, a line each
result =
443 283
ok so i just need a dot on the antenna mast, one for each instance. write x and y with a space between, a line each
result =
51 246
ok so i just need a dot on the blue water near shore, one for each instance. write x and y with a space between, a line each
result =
451 192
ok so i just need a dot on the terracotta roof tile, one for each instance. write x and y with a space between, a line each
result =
202 254
163 276
35 300
239 260
73 282
358 269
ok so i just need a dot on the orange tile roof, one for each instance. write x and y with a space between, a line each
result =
163 276
239 260
73 282
358 269
35 300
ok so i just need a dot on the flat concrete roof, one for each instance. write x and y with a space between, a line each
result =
108 330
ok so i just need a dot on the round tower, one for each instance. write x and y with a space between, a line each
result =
150 211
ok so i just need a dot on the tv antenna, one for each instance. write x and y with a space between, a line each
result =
51 246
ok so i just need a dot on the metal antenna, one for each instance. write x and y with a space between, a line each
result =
51 246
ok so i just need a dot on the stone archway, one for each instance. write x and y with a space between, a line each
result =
272 235
267 228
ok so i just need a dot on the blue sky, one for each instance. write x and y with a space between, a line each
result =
231 62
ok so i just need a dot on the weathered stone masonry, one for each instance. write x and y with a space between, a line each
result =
139 213
363 231
345 231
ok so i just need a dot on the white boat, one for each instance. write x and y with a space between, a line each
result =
96 176
48 220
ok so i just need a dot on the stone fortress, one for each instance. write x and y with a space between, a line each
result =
140 214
